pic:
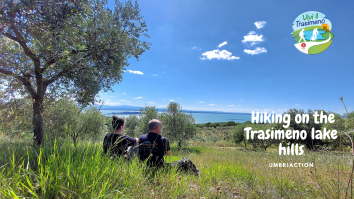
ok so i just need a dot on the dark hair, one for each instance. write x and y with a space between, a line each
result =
117 122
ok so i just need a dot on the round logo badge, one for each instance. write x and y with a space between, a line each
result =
312 32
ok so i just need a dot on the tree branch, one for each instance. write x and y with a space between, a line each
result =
53 61
55 78
19 39
6 72
24 80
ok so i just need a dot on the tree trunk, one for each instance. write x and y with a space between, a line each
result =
37 121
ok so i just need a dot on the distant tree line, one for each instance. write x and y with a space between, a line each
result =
216 124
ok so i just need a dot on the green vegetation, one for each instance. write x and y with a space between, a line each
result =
60 170
179 127
216 124
76 48
70 163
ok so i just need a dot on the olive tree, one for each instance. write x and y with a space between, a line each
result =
178 126
75 48
131 124
147 114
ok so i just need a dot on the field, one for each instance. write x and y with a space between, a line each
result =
60 170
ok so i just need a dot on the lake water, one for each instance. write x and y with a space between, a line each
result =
200 118
308 34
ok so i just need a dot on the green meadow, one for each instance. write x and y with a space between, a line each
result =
61 170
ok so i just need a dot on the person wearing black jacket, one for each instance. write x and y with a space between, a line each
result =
116 143
153 147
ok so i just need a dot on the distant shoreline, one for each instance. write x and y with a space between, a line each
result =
136 110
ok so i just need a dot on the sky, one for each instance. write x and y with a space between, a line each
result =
238 56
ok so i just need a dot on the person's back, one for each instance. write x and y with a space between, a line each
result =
116 143
153 147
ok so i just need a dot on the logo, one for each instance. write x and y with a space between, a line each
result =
312 32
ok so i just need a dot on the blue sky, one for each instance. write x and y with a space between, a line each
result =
258 69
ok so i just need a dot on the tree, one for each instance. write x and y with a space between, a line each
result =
131 123
147 114
239 134
178 126
310 143
63 118
75 48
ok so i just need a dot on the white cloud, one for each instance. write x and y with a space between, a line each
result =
123 100
217 54
123 93
171 100
111 96
253 38
256 51
194 47
231 105
152 102
211 104
201 102
222 44
241 99
136 72
260 24
154 75
297 104
138 98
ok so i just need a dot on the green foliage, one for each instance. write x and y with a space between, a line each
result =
75 48
341 125
239 134
15 118
177 126
149 113
306 126
64 118
216 124
131 124
60 170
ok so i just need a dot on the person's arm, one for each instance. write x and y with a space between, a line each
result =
132 141
168 148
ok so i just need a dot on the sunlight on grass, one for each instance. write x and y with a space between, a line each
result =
60 170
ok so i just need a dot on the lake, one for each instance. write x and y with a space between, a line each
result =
308 34
200 118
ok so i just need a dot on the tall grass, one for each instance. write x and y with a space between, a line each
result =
60 170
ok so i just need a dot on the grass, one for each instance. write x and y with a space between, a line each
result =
60 170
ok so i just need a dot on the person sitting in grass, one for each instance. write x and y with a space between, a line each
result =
153 147
116 143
